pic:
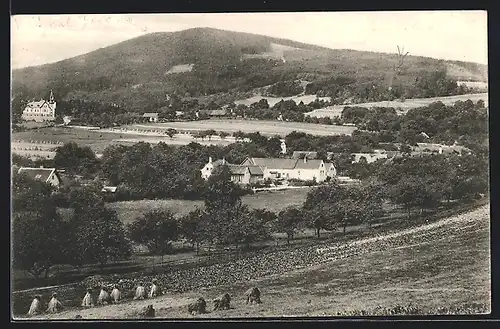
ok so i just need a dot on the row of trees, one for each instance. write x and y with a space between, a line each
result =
42 238
464 122
167 171
413 183
91 233
360 90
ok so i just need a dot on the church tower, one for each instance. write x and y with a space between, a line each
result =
51 98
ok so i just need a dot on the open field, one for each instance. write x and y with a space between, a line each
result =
154 133
273 100
474 84
249 126
273 201
439 268
336 110
42 149
98 140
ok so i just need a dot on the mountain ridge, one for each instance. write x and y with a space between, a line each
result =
222 61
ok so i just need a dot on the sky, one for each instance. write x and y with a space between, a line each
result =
452 35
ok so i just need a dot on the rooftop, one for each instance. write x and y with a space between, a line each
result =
41 174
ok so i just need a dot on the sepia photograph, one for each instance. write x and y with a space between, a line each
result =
265 165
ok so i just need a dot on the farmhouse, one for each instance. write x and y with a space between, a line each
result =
241 174
40 111
152 117
46 175
300 169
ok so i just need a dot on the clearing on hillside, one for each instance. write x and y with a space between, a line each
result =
336 110
437 268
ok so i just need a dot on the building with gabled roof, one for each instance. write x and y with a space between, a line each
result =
46 175
239 174
40 111
301 168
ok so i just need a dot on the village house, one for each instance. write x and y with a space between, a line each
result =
331 171
301 169
40 111
240 174
46 175
152 117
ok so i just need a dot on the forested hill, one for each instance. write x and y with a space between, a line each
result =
203 61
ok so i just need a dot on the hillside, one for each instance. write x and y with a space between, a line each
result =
436 268
139 72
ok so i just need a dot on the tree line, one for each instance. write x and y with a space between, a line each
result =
167 171
92 234
463 122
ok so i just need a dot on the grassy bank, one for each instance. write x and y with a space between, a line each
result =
437 268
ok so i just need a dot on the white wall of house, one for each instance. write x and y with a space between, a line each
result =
206 171
302 174
54 180
331 171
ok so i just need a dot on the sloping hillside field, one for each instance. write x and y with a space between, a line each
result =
336 110
438 268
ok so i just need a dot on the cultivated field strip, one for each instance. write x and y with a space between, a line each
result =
268 128
336 110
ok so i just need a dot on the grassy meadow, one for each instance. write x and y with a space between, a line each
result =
275 201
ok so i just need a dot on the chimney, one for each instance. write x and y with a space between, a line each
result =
209 159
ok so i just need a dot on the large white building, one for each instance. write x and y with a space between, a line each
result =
40 111
301 169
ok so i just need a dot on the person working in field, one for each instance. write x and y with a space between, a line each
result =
140 292
103 298
115 294
35 306
87 300
54 305
155 290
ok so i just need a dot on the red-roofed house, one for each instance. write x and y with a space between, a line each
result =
46 175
